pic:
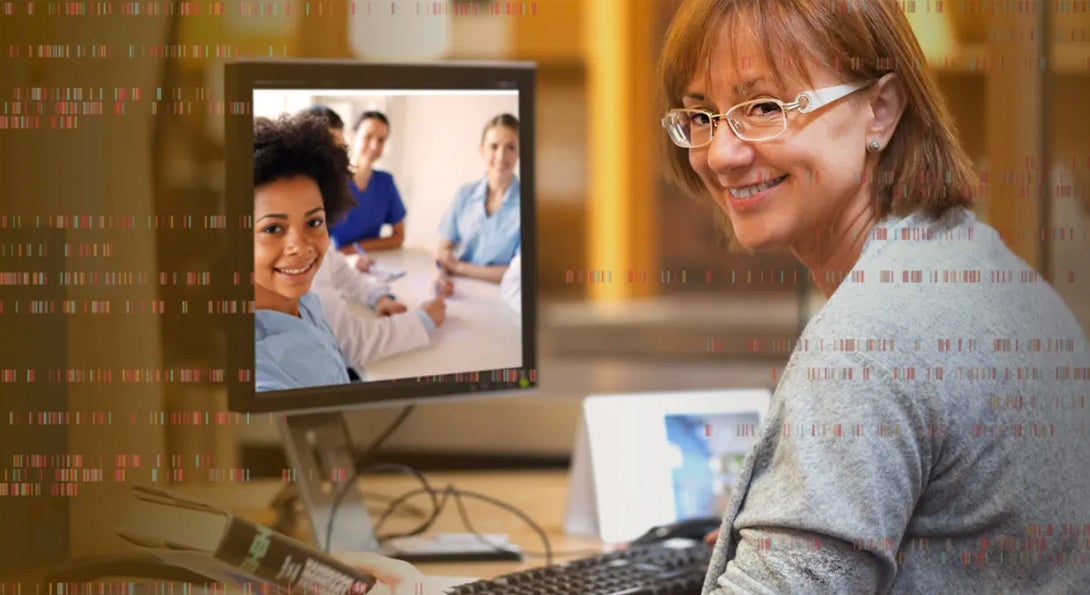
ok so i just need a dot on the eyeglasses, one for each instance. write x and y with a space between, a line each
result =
755 121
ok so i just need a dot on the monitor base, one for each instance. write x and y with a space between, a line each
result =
319 450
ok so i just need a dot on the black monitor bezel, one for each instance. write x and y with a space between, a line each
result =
240 80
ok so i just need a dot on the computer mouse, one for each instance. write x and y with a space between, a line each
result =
694 529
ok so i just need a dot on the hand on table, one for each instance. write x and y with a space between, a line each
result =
443 283
436 309
447 263
364 263
386 306
361 262
444 286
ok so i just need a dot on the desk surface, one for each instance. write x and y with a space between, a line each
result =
541 495
481 332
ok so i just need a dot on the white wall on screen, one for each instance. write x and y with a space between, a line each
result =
439 152
432 150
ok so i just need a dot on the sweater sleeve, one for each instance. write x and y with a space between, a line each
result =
839 469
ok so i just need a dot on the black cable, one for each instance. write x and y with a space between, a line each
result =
450 490
447 492
360 466
375 499
510 508
547 554
437 507
287 497
377 442
378 467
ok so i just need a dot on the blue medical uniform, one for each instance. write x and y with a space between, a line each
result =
296 352
379 203
483 239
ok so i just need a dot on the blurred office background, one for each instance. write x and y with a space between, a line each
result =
637 289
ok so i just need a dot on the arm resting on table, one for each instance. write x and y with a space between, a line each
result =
387 243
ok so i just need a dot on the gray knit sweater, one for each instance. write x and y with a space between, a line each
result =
929 434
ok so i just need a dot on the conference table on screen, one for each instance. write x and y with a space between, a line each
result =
481 331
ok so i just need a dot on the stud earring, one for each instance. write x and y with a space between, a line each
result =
874 146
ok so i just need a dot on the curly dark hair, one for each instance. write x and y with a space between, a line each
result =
289 147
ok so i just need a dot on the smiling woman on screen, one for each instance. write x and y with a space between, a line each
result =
299 174
888 461
378 199
480 232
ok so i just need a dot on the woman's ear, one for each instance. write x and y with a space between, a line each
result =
887 103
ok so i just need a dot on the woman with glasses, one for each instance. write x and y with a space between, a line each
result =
900 452
378 201
479 234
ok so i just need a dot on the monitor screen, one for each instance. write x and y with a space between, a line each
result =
441 176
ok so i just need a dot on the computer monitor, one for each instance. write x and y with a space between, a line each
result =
436 118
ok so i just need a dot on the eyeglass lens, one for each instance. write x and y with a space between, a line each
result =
755 120
758 120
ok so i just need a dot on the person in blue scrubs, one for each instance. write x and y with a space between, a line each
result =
479 234
299 173
378 201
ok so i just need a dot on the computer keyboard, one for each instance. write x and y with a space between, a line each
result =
670 567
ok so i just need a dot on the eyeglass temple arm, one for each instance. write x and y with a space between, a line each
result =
808 101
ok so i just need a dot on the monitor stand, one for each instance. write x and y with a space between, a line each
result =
319 450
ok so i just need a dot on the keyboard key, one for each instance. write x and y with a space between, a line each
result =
664 568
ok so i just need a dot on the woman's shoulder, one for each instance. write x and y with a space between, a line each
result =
956 232
269 323
272 322
310 305
382 177
920 274
277 333
471 190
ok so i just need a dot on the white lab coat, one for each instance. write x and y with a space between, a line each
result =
362 339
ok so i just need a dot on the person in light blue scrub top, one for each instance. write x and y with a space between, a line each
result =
299 185
480 233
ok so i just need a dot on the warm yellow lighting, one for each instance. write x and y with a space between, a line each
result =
621 231
607 247
934 32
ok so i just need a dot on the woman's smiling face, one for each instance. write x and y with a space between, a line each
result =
500 150
786 191
290 240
